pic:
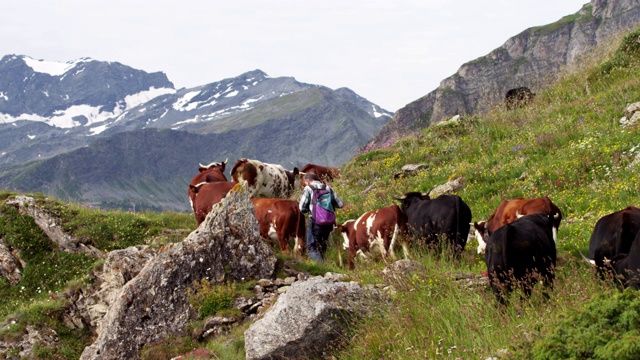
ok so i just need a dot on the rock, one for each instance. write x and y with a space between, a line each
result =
10 264
289 280
409 169
154 305
336 277
308 319
399 271
119 267
448 188
49 224
42 336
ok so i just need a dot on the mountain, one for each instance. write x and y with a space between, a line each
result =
106 134
534 58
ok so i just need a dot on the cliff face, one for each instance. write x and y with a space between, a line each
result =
534 58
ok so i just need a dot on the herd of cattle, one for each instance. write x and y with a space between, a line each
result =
518 240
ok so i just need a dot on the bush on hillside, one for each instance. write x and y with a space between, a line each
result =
627 54
608 327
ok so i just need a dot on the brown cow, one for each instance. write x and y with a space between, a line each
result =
265 180
375 231
511 210
280 220
324 173
207 195
207 173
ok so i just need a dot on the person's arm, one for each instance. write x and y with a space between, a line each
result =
305 199
337 202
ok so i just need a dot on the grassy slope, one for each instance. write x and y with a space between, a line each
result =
569 144
571 148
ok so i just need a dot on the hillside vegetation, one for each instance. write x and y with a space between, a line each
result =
568 145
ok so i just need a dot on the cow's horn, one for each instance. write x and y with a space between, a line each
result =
426 194
202 165
400 197
225 161
590 261
518 215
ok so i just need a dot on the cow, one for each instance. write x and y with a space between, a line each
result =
376 231
446 215
207 195
612 235
518 97
280 220
627 266
521 253
510 210
206 173
324 173
266 180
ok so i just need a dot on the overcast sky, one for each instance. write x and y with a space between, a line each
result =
390 52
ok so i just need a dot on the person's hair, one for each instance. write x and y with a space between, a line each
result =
311 176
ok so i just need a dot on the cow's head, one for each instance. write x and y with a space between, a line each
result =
214 166
412 197
245 170
482 235
294 178
347 231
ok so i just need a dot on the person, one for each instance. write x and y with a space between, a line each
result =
317 235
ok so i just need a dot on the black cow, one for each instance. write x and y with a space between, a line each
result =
518 97
628 265
430 218
520 253
613 234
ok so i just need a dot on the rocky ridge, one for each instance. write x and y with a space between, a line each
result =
534 58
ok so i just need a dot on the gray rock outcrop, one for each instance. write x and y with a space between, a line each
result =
92 303
49 224
534 58
307 319
10 264
154 305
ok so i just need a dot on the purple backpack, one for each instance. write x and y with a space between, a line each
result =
323 213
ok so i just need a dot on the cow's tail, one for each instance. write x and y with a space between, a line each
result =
459 235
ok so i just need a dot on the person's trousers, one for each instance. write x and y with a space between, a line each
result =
317 239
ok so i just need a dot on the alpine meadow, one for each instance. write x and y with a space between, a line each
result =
567 144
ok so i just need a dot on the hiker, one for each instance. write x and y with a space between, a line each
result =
320 201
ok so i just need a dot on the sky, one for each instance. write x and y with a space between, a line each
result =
389 52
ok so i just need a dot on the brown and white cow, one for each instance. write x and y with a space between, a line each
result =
281 220
325 173
207 173
510 210
375 231
266 180
207 195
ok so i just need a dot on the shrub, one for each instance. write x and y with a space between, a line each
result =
210 299
608 327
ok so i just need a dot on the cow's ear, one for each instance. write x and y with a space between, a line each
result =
479 226
296 171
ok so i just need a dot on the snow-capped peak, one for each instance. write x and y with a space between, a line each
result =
52 68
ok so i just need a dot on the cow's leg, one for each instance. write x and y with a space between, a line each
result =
392 246
283 239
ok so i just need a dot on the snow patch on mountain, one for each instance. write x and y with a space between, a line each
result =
87 115
52 68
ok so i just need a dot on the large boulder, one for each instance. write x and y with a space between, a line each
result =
308 318
154 305
91 304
